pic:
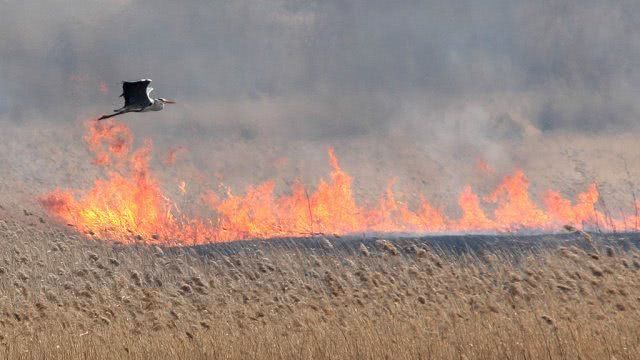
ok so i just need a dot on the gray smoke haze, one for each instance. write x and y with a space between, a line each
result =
334 67
416 85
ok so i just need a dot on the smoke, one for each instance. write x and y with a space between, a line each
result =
431 81
575 61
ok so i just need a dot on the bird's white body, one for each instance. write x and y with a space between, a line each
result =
156 105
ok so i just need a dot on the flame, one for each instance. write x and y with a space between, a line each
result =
182 187
120 204
473 217
515 209
484 167
583 212
129 204
109 141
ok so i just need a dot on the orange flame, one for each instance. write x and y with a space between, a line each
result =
109 141
515 209
484 168
130 204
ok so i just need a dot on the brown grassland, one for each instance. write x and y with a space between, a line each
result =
66 297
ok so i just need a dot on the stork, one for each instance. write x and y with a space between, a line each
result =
137 99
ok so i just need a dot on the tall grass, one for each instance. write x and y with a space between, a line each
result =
64 297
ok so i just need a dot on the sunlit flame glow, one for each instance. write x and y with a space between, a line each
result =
129 205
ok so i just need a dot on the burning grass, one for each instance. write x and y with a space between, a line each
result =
66 297
130 203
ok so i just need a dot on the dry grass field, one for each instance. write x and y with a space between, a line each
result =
66 297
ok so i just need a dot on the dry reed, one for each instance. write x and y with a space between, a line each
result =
65 297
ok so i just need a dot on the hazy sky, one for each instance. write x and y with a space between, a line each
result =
332 66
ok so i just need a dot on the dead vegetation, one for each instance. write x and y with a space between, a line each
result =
66 297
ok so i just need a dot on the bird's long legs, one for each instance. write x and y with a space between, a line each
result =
119 113
111 115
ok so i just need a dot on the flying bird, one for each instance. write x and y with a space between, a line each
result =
137 99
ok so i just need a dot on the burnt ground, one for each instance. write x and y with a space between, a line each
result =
406 244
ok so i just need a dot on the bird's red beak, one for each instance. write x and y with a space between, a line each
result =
170 101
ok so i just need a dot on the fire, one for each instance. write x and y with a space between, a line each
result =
129 204
515 207
484 167
120 204
473 217
583 212
109 141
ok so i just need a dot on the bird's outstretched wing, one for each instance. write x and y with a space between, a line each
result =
136 94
